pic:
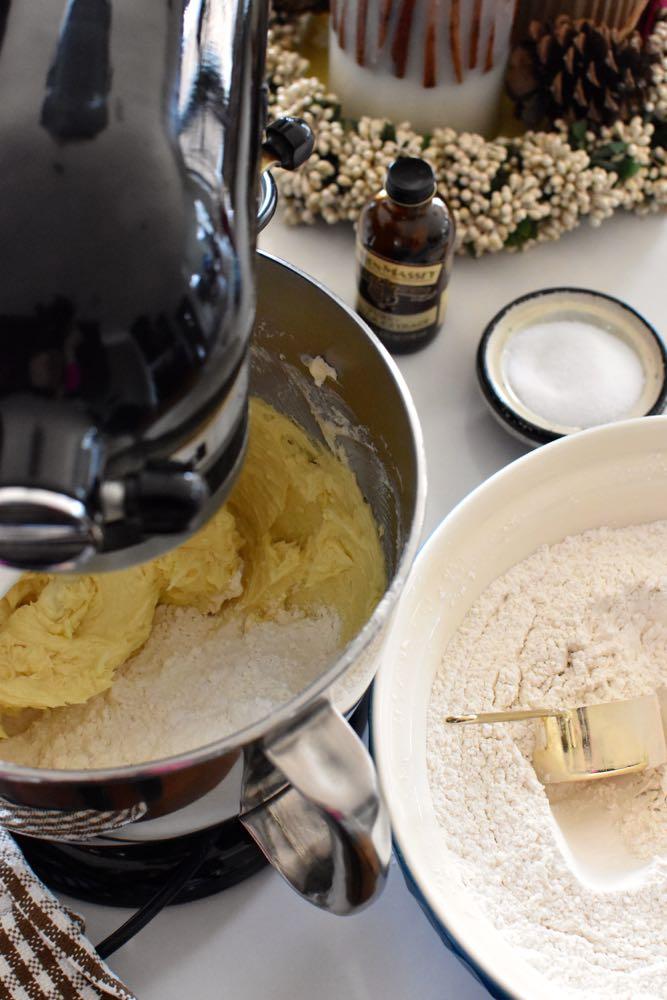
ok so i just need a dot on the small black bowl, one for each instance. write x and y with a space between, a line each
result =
570 303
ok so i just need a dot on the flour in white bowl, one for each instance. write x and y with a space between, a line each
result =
581 899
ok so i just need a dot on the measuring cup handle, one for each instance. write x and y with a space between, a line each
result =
327 832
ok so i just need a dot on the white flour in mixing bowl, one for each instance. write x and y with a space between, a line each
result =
194 681
581 900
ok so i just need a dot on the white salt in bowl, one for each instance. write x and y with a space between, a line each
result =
559 360
612 476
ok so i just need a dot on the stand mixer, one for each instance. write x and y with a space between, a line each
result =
131 144
131 138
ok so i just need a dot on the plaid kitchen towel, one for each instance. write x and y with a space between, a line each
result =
44 954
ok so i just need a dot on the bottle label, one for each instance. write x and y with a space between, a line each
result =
400 274
399 298
397 322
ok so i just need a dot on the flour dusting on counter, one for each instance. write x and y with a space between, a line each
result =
575 879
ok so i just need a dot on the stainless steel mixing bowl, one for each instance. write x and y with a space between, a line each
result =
300 779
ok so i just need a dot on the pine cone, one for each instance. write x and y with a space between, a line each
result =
578 70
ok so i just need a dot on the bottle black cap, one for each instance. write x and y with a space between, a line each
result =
410 180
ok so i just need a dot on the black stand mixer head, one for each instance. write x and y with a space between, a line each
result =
130 136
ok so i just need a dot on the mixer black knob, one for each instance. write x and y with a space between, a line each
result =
289 143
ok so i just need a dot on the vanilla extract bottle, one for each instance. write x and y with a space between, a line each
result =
405 245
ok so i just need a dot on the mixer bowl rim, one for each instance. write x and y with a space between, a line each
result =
292 709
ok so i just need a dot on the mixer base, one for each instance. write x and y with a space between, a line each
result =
131 875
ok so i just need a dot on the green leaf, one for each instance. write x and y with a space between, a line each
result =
659 138
628 168
335 107
577 134
604 162
388 133
426 140
500 178
470 249
610 156
526 230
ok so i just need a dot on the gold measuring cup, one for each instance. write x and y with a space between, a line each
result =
593 741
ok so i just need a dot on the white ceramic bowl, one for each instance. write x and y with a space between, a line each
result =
614 475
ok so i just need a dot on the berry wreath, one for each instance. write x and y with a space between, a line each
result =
505 193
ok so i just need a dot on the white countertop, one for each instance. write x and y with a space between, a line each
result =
259 941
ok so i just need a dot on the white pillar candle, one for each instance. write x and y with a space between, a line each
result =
429 62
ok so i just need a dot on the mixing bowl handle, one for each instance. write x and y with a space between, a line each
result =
327 832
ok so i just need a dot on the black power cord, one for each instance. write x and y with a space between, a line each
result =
184 871
163 897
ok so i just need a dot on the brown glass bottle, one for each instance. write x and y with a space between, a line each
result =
405 244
